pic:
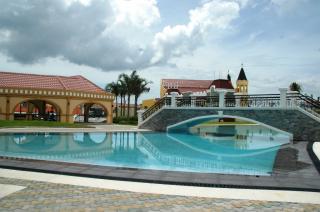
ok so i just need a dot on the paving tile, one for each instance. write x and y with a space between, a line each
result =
40 196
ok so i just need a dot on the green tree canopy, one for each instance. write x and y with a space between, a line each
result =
295 87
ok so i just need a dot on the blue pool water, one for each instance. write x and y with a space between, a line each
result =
249 151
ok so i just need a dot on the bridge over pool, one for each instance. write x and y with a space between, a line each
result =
290 112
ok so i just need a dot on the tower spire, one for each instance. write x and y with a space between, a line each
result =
242 75
242 82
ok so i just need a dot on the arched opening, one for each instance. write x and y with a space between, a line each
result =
224 126
36 110
89 139
32 142
90 113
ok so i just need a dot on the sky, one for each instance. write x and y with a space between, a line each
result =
277 41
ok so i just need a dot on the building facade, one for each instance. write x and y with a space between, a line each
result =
242 83
204 87
47 97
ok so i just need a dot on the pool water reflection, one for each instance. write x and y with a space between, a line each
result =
251 150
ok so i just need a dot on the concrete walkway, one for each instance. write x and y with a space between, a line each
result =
65 193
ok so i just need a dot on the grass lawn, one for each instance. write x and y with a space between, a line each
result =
34 123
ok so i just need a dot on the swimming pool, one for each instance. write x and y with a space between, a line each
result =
243 150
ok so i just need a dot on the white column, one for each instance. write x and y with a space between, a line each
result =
193 100
140 119
293 98
283 97
221 98
237 99
173 99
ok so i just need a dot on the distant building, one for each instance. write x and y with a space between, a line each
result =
204 87
147 103
242 83
124 110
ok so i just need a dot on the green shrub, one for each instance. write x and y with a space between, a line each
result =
126 121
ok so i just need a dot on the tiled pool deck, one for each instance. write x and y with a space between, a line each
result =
293 171
43 196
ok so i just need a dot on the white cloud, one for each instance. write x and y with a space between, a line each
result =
35 30
142 13
109 35
83 2
183 39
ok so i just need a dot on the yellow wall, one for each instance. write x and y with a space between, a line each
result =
162 90
147 103
64 104
242 86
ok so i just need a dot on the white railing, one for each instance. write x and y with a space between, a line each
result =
283 100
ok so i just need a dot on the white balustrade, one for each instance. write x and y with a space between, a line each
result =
173 99
283 97
221 97
139 114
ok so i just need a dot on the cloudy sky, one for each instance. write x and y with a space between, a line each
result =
276 40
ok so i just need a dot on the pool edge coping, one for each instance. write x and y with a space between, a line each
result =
143 180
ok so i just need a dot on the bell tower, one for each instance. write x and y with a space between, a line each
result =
242 82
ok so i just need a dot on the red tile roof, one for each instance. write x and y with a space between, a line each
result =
72 83
182 83
196 85
223 84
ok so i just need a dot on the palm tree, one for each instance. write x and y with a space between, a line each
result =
140 87
126 86
128 82
122 91
295 87
114 87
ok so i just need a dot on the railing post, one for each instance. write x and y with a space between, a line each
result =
173 99
237 100
221 98
283 97
193 100
140 119
293 98
165 100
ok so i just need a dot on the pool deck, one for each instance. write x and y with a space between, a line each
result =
48 192
47 185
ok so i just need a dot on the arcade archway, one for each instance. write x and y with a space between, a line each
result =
90 113
36 110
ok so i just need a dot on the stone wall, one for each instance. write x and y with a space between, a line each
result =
303 127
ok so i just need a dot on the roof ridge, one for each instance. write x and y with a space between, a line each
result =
78 83
90 82
63 85
46 75
188 79
242 75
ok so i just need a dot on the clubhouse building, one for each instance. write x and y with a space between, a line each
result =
52 98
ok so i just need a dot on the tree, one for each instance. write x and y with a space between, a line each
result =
140 87
114 87
123 91
295 87
126 86
128 82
